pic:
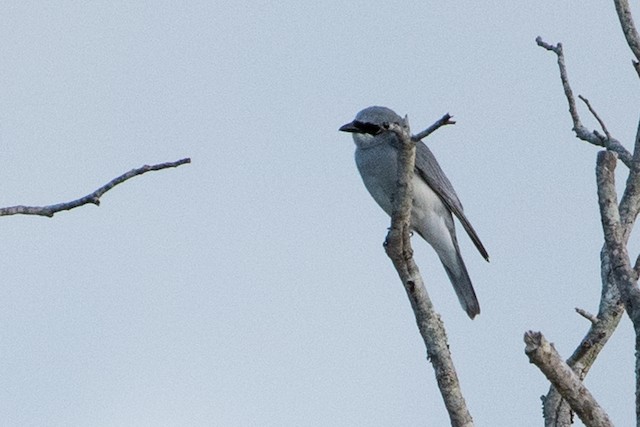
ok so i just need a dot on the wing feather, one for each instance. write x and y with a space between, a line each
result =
428 168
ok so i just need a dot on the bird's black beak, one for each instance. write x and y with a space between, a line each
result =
357 126
350 127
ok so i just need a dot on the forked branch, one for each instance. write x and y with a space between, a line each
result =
592 137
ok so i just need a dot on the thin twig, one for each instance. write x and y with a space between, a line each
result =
584 313
444 120
602 125
573 111
93 198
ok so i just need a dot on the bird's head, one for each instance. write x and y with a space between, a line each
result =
368 128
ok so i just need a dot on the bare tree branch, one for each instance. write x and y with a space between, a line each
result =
602 125
630 201
610 309
556 411
398 247
546 358
636 145
93 198
636 267
614 240
557 49
584 313
616 246
444 120
580 130
629 30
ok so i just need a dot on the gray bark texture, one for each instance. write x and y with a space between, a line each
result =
615 274
542 353
398 247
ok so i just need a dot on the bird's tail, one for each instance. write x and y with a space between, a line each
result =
462 285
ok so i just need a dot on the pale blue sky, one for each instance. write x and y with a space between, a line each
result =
250 288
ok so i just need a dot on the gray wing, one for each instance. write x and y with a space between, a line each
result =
428 168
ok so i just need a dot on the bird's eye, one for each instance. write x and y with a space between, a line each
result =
370 128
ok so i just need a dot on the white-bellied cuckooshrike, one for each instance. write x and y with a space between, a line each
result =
434 199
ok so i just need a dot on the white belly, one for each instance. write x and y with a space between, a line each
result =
429 217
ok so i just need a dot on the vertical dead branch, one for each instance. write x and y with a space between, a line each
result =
623 273
629 30
613 235
398 247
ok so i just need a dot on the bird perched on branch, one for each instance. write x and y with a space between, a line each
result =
434 199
